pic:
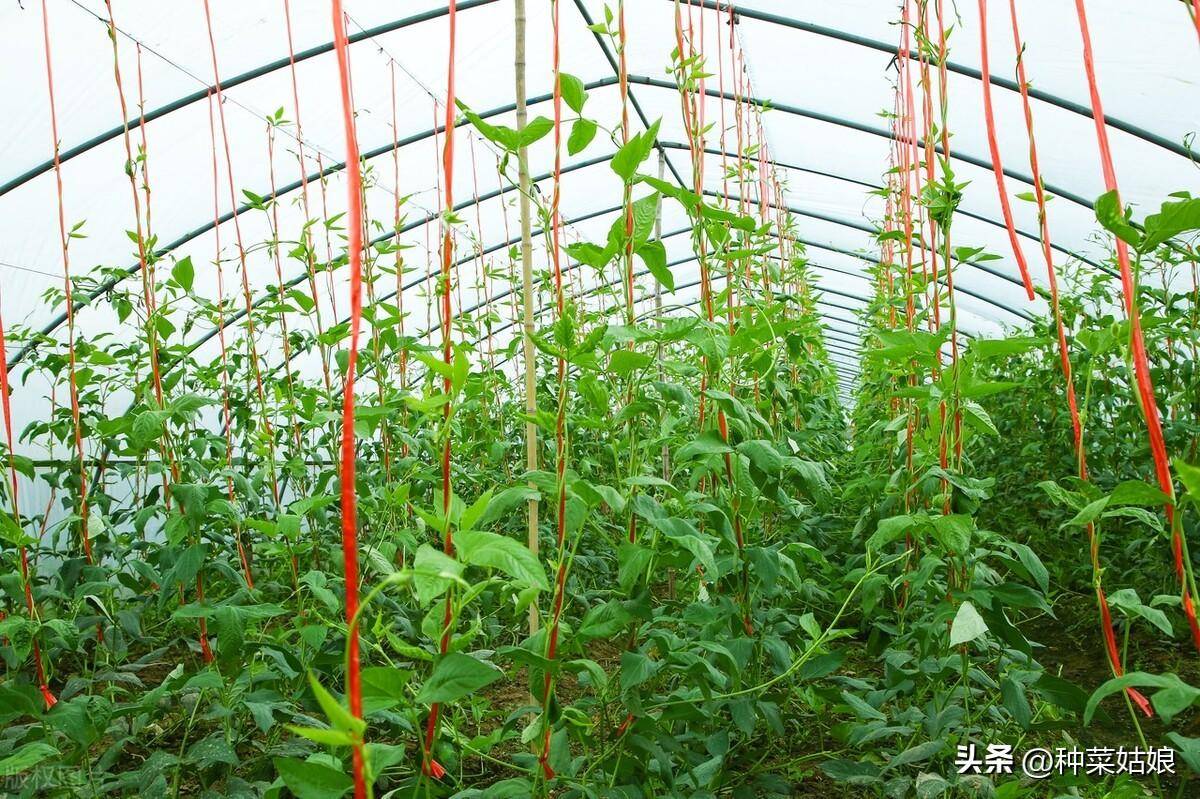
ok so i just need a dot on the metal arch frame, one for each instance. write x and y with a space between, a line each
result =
464 5
236 80
970 72
429 218
875 187
418 137
600 287
862 127
873 231
691 284
467 4
688 305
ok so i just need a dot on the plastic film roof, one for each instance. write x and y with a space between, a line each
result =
825 69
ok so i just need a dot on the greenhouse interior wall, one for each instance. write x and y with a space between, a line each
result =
600 399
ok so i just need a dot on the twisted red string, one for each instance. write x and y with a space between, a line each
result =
994 149
1106 627
560 431
430 766
1141 365
70 302
226 410
251 338
347 476
23 553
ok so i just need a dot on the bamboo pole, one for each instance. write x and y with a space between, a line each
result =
531 458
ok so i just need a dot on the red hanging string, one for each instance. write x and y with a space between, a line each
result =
994 149
1064 358
1141 365
289 378
347 471
251 338
430 766
225 404
23 553
403 365
64 238
307 232
560 581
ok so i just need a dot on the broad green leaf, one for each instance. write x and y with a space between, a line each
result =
631 155
654 255
434 572
583 131
888 530
309 780
339 717
1137 492
26 758
494 551
1172 219
1173 695
707 443
573 92
967 626
455 676
1112 217
954 532
184 273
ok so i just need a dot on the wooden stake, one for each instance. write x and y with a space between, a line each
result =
531 457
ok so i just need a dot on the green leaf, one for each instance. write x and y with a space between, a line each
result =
1172 219
627 160
968 625
916 754
184 273
654 255
310 780
852 772
861 708
1174 694
888 530
455 676
339 717
535 130
1127 600
501 504
1190 477
953 532
1189 749
707 443
583 131
573 92
685 535
624 362
994 348
1137 492
1033 564
26 758
494 551
434 572
636 668
1112 216
322 735
587 253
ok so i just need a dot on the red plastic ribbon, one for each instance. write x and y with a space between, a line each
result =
994 148
347 476
429 765
1141 365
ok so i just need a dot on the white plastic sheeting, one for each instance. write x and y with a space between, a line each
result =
825 67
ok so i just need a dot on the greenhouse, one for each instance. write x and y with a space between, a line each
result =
600 399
